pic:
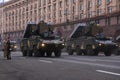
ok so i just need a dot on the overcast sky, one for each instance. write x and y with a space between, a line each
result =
6 0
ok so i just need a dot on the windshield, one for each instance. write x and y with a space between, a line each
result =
103 39
49 36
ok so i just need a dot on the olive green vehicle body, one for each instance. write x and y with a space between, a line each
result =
39 41
83 43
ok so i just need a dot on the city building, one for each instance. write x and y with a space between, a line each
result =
63 15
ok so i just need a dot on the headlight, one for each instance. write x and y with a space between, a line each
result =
100 44
82 47
15 46
93 46
42 44
63 44
73 46
117 45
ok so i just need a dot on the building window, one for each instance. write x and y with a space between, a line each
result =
81 7
81 0
31 7
49 1
60 13
35 6
107 21
89 14
40 3
60 20
99 11
89 4
66 13
118 19
54 0
74 1
99 2
109 9
49 16
60 4
67 3
45 9
97 21
81 15
73 9
54 8
109 1
44 2
49 8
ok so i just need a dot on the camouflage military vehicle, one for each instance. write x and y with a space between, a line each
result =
39 40
89 40
25 45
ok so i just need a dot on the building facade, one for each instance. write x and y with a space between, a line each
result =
64 15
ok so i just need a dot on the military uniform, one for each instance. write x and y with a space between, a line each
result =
8 49
4 49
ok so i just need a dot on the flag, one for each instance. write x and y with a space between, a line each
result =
1 1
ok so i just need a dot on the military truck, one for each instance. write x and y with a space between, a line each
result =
88 39
39 40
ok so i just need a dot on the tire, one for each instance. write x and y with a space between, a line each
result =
95 53
24 53
78 51
107 53
49 53
42 53
90 51
84 52
30 53
57 53
69 50
36 52
118 53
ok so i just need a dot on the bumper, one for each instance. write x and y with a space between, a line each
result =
106 47
51 46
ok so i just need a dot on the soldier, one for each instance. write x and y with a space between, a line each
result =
4 49
8 48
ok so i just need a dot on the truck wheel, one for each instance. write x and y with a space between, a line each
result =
96 53
42 53
84 52
30 52
49 53
24 52
118 53
107 53
36 53
57 53
70 52
89 51
78 52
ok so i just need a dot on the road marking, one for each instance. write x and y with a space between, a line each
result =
107 72
94 60
46 61
87 63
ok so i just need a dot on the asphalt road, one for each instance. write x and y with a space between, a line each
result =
64 68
